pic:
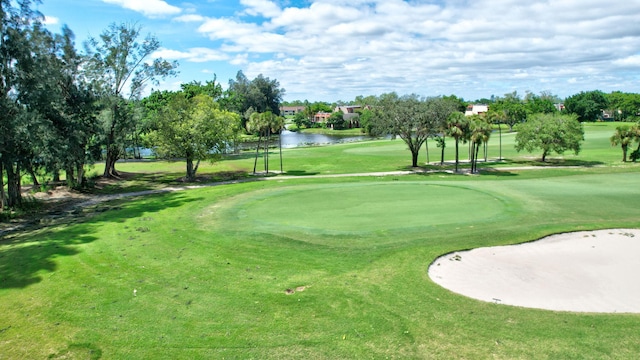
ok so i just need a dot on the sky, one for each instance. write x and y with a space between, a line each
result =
330 50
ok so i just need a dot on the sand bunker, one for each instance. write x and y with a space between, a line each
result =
587 271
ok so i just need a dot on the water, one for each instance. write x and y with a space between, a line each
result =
291 139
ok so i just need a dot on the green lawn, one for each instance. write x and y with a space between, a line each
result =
211 269
311 268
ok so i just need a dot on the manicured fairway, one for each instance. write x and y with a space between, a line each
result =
307 268
363 208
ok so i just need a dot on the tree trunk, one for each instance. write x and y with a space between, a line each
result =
426 147
80 174
472 156
624 154
34 178
2 195
280 146
456 154
71 181
500 130
544 156
475 166
14 196
255 162
190 172
110 162
414 158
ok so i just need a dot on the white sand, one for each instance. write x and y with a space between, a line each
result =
587 271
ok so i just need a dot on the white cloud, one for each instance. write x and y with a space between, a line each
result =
261 8
190 18
631 61
51 20
149 8
196 55
334 49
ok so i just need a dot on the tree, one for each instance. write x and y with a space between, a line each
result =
550 133
623 136
625 106
19 29
411 118
497 117
194 129
118 60
513 108
479 133
458 128
635 131
543 103
260 94
587 106
336 120
263 125
74 113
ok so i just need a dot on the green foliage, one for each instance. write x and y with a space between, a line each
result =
193 128
587 106
117 60
550 133
624 136
412 119
260 94
336 121
543 103
513 109
624 106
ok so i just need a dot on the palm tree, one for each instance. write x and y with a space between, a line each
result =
479 133
498 117
457 128
623 136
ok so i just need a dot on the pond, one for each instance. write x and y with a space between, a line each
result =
290 139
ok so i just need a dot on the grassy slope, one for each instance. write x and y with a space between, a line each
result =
212 284
211 280
386 155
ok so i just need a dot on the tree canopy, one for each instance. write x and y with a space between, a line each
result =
411 118
587 106
117 60
550 133
193 128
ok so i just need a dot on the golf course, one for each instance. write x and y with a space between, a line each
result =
328 260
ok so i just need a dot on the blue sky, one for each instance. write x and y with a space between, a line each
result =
332 50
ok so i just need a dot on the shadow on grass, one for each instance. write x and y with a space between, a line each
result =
300 173
134 182
553 162
27 257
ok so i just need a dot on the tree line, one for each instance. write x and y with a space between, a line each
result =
63 109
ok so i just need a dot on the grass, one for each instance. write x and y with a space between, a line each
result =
309 268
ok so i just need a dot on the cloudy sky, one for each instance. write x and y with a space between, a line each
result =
332 50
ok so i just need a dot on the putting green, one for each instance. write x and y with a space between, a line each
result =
361 207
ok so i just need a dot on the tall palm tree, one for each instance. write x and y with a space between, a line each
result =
623 136
498 117
479 133
457 128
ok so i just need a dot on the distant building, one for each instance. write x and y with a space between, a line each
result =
476 109
559 107
321 117
290 110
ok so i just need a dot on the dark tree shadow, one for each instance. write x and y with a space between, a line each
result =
27 255
553 162
300 173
